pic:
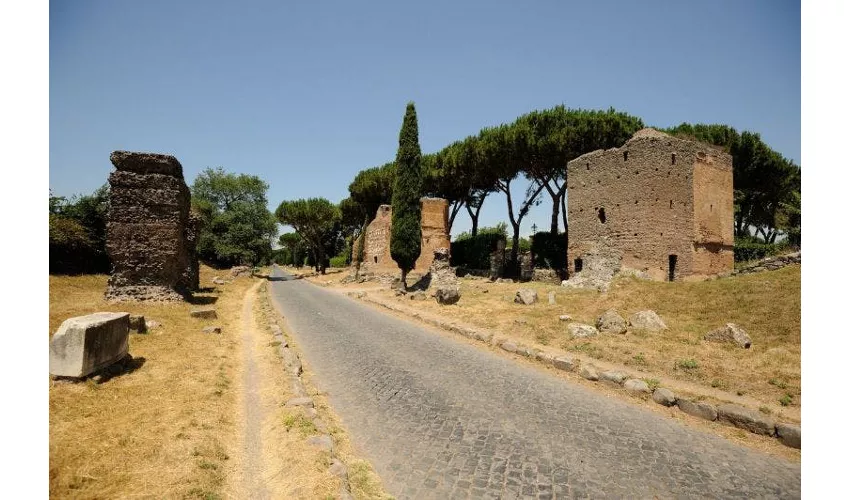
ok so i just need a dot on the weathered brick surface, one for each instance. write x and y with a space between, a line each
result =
150 236
654 197
439 418
376 251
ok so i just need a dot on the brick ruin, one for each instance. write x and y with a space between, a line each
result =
659 204
376 251
150 233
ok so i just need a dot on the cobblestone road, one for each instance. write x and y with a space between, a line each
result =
443 419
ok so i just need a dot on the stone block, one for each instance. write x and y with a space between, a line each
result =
698 409
566 363
204 313
744 418
86 344
789 435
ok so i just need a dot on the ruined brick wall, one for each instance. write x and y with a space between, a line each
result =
639 200
149 237
376 250
435 220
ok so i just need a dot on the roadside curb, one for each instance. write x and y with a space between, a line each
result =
726 412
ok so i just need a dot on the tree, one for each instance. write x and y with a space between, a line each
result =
406 232
295 247
77 233
237 227
372 188
317 221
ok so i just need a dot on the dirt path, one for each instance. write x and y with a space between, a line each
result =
253 414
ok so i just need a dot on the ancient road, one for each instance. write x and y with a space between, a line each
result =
439 418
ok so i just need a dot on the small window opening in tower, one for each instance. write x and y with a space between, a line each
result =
602 217
625 156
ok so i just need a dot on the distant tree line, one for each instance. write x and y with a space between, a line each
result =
77 233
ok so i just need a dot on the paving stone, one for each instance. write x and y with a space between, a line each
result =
589 372
636 386
789 434
744 418
664 397
566 363
300 401
323 442
698 409
613 377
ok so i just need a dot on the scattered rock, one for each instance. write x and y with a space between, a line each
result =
566 363
697 409
580 330
730 333
600 264
636 385
565 317
589 372
339 470
611 322
418 295
240 271
447 295
204 313
509 346
356 294
552 298
504 280
664 397
218 281
212 329
545 357
744 418
302 401
323 442
789 435
137 323
647 320
483 336
85 344
613 377
545 276
150 325
526 296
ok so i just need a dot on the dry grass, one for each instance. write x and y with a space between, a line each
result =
162 431
766 305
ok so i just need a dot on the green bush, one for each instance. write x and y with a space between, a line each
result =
549 250
338 261
473 252
747 249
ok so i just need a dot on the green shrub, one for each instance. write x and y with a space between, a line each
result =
338 261
474 251
748 249
549 250
687 364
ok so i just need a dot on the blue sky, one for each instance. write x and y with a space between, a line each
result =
305 95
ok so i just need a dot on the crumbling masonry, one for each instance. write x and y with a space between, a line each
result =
150 234
376 251
658 204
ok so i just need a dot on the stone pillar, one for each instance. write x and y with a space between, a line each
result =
497 261
148 234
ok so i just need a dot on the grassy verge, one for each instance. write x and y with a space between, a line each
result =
766 304
162 431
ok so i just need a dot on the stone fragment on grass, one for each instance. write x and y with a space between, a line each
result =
647 320
339 470
509 346
636 386
302 401
204 313
137 323
697 409
565 317
447 295
218 281
589 372
150 325
545 358
664 397
611 322
566 363
731 333
85 344
744 418
526 296
789 435
323 442
613 377
552 298
211 329
580 330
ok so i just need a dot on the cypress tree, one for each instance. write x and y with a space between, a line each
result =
406 233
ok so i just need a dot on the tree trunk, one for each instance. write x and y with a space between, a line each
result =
404 279
473 216
556 198
455 208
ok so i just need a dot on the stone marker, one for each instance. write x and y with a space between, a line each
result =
447 295
747 419
730 333
647 320
300 401
204 313
86 344
789 434
664 397
613 377
697 409
566 363
636 386
137 323
552 298
526 296
580 330
212 329
589 372
611 322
